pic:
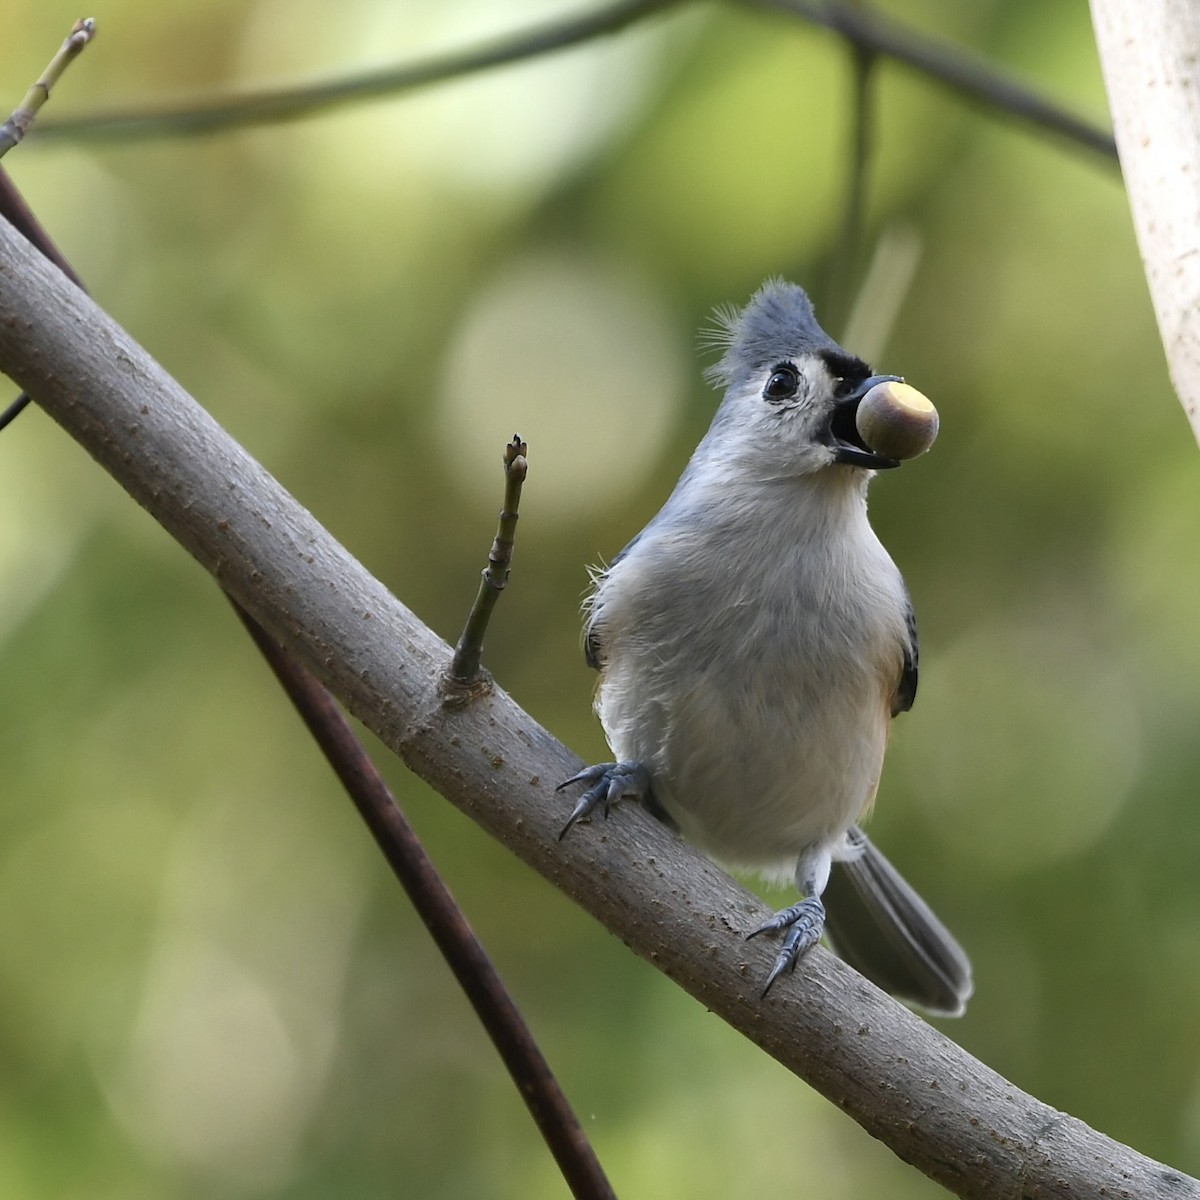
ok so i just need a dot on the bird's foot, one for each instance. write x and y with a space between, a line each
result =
607 783
804 922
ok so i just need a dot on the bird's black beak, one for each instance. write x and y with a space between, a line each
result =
843 436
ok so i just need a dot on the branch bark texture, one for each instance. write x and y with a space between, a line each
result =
903 1081
1150 53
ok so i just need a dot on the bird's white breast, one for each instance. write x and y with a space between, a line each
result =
751 669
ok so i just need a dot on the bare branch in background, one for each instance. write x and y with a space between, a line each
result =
906 1084
1148 53
965 73
268 107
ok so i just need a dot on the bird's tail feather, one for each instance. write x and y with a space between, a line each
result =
879 925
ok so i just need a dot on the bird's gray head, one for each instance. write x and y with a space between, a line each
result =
791 391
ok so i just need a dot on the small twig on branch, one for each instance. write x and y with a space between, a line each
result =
464 667
437 908
17 126
449 929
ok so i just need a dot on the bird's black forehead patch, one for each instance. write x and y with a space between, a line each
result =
778 323
847 367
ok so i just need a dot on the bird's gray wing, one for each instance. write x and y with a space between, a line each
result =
593 632
592 646
906 689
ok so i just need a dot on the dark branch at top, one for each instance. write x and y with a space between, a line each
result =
290 104
959 69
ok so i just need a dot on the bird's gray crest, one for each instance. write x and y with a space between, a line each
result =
778 322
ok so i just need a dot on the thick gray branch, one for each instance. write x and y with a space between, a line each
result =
930 1101
1149 53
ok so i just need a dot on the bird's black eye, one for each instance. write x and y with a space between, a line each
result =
783 384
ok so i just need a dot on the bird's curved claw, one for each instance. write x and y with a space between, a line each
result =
805 923
608 783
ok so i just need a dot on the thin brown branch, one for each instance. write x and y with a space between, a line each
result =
904 1082
14 209
23 116
443 918
13 206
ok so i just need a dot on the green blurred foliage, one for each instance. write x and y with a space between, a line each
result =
211 985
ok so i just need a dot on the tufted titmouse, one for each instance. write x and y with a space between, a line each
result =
754 642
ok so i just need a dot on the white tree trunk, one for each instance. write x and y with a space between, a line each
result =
1150 56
